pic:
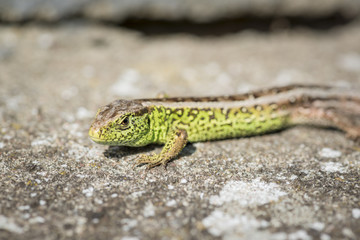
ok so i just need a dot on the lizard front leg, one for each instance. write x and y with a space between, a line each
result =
176 141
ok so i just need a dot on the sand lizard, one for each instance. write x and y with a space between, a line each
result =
176 121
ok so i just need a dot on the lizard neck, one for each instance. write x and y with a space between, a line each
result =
159 125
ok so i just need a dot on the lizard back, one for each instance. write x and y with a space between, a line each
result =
255 113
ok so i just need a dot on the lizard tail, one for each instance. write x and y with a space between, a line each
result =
343 114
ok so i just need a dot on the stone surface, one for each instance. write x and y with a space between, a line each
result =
300 183
200 10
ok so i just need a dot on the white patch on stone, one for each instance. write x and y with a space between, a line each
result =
219 224
129 238
2 145
128 224
299 235
9 225
73 129
171 203
79 151
293 177
88 192
347 232
329 153
318 226
256 192
332 167
126 84
183 181
42 142
37 219
324 236
350 62
356 213
201 195
170 187
94 152
279 236
23 208
137 194
149 210
41 173
7 137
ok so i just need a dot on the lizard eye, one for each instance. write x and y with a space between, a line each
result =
124 124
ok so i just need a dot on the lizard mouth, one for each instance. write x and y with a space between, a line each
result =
94 136
96 140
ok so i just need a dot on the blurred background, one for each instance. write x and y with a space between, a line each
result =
62 59
113 48
118 11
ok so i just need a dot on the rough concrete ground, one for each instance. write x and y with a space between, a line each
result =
301 183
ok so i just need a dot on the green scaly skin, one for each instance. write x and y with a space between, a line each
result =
212 124
176 121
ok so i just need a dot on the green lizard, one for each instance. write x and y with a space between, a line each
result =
176 121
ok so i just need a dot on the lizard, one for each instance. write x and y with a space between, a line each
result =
175 121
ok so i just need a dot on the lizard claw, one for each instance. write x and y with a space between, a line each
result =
142 159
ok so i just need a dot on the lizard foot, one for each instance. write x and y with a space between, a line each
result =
152 160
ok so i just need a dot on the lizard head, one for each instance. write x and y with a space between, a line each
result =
122 123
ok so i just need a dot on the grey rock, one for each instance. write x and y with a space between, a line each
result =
300 183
